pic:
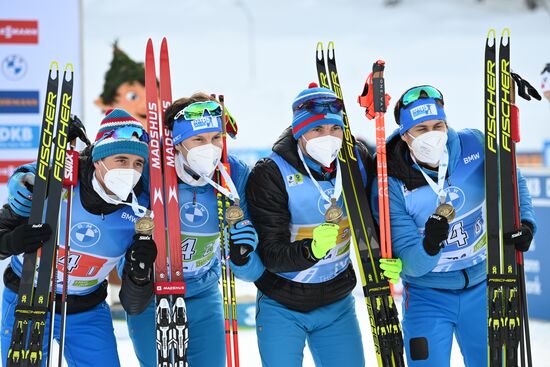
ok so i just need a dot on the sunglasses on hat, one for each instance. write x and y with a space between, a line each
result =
196 110
319 106
127 132
416 93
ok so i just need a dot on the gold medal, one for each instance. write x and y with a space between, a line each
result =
234 213
446 210
145 224
334 213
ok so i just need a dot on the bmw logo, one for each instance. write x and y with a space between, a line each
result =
193 215
14 67
454 196
85 234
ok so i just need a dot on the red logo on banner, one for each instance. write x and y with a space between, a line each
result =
7 168
18 31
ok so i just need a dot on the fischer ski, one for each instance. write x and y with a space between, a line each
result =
170 314
508 321
385 327
34 302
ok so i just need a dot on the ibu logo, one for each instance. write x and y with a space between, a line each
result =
193 215
85 234
454 196
323 205
427 109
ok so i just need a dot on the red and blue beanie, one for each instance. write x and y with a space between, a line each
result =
106 145
304 120
423 109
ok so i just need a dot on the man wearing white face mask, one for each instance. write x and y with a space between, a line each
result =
108 198
436 191
305 293
196 124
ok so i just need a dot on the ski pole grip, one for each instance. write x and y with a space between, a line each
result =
378 87
70 176
514 126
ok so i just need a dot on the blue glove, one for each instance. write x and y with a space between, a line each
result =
243 240
19 196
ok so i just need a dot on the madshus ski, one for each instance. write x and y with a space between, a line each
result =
33 302
385 327
508 321
169 285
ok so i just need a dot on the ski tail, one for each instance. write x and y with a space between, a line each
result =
385 327
17 350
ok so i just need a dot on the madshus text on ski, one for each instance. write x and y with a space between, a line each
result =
164 202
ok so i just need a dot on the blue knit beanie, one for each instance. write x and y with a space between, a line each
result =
304 120
106 145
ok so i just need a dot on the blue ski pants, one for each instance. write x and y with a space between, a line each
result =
206 346
332 333
89 335
432 316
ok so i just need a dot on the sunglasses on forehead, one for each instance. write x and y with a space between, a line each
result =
127 132
196 110
416 93
319 106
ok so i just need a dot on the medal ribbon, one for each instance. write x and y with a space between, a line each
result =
337 185
441 173
232 193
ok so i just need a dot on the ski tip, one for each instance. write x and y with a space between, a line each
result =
149 44
164 43
505 33
54 65
492 33
69 66
330 46
319 46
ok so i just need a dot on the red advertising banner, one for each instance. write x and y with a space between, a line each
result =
7 168
19 31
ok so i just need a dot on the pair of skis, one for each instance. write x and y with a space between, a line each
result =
229 293
385 327
34 304
170 313
508 321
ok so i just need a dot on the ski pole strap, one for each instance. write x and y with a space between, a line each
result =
337 185
231 192
441 174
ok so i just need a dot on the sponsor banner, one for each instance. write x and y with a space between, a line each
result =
19 102
20 136
14 67
7 168
18 31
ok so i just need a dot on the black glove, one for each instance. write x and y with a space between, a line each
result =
26 238
521 238
436 231
243 239
140 258
77 130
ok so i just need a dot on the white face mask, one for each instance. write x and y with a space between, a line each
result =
324 149
121 181
428 147
203 159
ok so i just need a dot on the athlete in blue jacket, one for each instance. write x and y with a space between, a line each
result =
444 268
108 199
305 293
196 124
